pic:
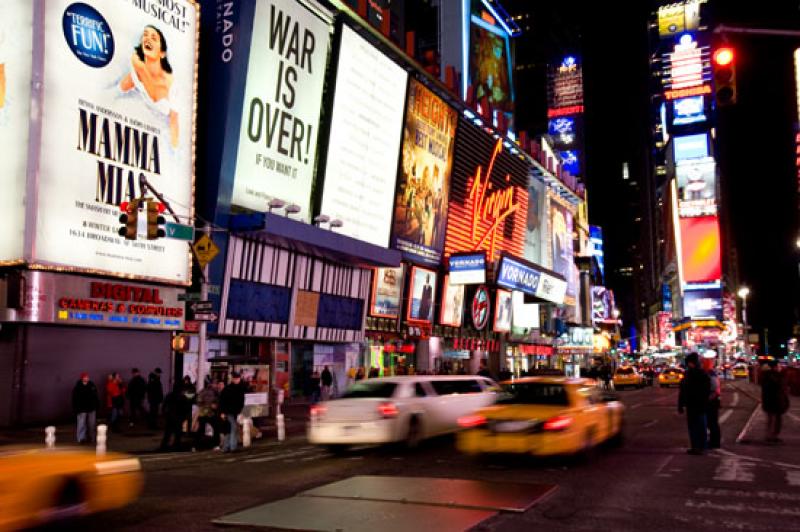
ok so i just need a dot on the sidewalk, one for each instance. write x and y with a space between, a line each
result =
142 440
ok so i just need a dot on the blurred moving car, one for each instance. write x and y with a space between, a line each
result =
39 486
543 416
670 377
739 371
628 376
394 409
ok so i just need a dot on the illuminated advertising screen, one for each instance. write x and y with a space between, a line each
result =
422 294
386 290
688 110
596 246
687 65
502 311
16 49
361 166
536 226
281 107
490 65
122 79
700 249
565 131
520 276
565 85
452 308
705 303
480 217
690 147
571 162
678 17
696 186
561 241
467 268
602 305
420 210
523 315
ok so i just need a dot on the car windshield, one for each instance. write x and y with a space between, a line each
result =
535 393
371 388
625 371
674 371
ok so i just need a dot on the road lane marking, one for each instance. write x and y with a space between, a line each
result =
754 459
735 400
664 464
734 470
637 405
649 424
742 434
741 507
794 417
793 478
277 456
724 417
775 496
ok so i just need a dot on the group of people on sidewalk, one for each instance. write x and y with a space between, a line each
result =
700 394
212 414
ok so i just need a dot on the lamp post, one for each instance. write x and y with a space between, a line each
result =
743 293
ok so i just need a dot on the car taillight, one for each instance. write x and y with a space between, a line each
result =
680 376
557 423
317 411
471 421
388 410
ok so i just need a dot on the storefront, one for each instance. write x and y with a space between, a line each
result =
56 326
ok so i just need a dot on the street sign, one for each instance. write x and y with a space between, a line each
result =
179 231
205 250
190 296
206 316
191 326
201 307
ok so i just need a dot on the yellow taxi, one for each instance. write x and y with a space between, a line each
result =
670 377
739 371
628 376
542 416
39 486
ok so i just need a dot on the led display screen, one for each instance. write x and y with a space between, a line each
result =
700 249
490 66
705 303
570 161
690 147
364 143
536 226
688 110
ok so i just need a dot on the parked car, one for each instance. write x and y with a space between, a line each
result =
40 486
398 409
543 416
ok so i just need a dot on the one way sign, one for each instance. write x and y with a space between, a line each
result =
201 306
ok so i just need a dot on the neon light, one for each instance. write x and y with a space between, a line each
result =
572 110
493 208
683 93
497 17
677 228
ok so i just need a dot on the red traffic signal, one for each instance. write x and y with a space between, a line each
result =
723 56
724 63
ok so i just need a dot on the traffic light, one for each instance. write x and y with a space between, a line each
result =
155 222
129 219
724 61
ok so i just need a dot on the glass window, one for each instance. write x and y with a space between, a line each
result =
419 391
370 388
625 371
536 393
450 387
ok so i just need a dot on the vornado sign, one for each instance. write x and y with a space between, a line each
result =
517 275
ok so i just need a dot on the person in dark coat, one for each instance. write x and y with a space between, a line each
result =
85 401
693 398
137 389
231 404
774 399
176 409
712 409
155 396
326 381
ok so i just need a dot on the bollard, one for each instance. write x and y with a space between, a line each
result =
102 431
50 437
247 424
281 426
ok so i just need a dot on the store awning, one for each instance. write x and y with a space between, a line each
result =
311 240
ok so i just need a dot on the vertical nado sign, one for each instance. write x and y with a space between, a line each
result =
112 120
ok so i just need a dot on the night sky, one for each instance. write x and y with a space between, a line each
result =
755 136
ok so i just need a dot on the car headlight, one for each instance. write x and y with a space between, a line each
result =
114 467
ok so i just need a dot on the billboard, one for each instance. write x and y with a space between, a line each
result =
690 147
700 249
520 276
16 53
524 316
679 17
422 294
565 85
490 66
452 308
565 131
696 186
281 108
488 196
502 311
571 161
536 226
596 246
602 304
467 268
420 209
361 166
688 110
386 291
705 303
122 79
561 247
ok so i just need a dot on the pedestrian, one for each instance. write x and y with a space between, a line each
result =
85 401
712 410
484 371
605 375
693 398
176 410
207 412
189 390
315 386
374 372
137 389
360 373
115 400
774 399
231 404
155 396
326 380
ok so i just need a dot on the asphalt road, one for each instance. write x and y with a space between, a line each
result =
649 483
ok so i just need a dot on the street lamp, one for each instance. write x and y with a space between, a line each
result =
743 293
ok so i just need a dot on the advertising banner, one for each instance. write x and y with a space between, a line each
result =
679 17
452 308
490 66
117 121
536 227
565 87
516 275
690 147
420 211
281 108
706 303
688 110
696 186
422 294
502 311
700 249
602 305
596 246
386 290
467 269
361 166
523 316
16 55
561 243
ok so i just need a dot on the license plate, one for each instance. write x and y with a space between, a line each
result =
347 429
512 426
